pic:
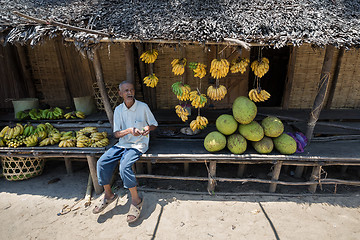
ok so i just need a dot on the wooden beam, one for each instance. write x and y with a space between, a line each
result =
102 88
289 78
335 78
322 90
211 177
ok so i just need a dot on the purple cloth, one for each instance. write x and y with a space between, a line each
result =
300 139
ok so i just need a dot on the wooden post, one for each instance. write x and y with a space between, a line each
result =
68 165
289 78
314 175
149 169
275 176
211 174
139 168
102 88
335 78
186 169
92 167
299 171
241 170
321 95
25 66
129 62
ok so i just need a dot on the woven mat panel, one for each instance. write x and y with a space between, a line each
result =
21 168
347 91
47 73
112 91
113 65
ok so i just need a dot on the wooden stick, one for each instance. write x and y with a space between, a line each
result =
68 165
92 168
58 24
102 88
186 169
211 176
315 175
239 42
275 176
88 192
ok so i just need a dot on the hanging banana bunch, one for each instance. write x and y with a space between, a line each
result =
149 56
197 99
216 93
182 113
182 91
260 67
239 65
258 95
199 123
198 69
151 80
178 66
219 68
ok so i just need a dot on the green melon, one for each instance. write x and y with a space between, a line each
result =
252 131
285 144
226 124
265 145
244 110
214 141
236 143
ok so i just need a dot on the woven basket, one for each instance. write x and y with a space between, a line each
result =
21 168
112 91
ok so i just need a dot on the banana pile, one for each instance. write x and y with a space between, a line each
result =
182 91
149 56
198 69
257 95
199 123
239 65
90 137
198 100
151 80
53 138
182 113
16 142
216 93
31 141
178 66
74 114
260 67
219 68
11 132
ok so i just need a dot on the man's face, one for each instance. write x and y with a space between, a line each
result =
127 92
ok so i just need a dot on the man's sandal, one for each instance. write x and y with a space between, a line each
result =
104 204
134 211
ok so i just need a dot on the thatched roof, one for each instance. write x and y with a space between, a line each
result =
275 22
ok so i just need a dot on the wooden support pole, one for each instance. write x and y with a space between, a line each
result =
211 175
149 167
299 171
289 78
102 88
314 175
129 62
241 170
139 167
25 67
322 90
343 170
186 169
275 176
92 167
68 165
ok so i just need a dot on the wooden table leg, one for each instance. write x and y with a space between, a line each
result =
139 168
275 176
314 175
186 169
212 173
299 171
92 167
241 170
68 165
149 167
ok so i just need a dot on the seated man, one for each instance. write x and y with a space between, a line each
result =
133 122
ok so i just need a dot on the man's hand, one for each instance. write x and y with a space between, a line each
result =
136 132
145 131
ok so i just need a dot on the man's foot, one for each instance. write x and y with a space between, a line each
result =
104 204
134 211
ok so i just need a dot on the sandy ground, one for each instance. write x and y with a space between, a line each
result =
29 210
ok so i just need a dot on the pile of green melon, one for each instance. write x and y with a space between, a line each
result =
239 130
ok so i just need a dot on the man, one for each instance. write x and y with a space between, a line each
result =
133 122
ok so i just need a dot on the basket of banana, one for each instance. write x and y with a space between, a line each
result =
22 168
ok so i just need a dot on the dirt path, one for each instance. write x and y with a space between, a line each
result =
28 210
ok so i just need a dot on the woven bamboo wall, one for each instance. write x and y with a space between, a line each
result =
307 73
347 92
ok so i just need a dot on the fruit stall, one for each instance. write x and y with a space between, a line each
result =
225 86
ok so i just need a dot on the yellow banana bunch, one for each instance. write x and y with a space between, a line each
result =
239 65
260 68
102 143
16 141
258 95
219 68
216 93
151 80
178 66
182 113
149 56
68 143
31 141
198 100
200 71
82 141
181 91
199 123
12 132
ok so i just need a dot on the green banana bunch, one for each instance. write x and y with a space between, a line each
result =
21 115
28 130
176 88
35 114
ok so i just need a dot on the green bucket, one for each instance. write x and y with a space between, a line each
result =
25 104
85 104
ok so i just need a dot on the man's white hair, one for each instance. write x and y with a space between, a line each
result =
124 82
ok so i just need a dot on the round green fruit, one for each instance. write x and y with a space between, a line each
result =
273 127
214 141
244 110
252 131
285 144
226 124
265 145
236 143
